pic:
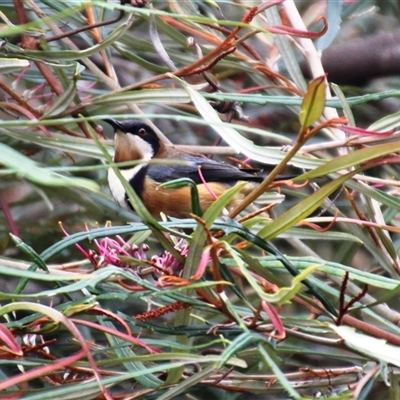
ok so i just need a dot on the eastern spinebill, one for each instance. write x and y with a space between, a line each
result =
135 140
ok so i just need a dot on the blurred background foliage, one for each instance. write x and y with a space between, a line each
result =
229 308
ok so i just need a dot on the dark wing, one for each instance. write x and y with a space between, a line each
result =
212 171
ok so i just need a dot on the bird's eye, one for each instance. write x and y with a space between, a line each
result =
142 132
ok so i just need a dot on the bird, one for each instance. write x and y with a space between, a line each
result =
135 140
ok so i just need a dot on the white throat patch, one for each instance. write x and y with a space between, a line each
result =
131 146
116 187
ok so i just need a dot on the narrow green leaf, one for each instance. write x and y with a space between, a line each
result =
30 252
131 55
375 348
71 55
345 105
143 96
194 194
199 235
59 142
187 383
8 65
37 24
280 376
333 13
352 159
302 209
296 100
230 135
387 122
313 103
333 269
239 343
285 294
124 352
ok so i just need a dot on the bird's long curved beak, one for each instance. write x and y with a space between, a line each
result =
117 125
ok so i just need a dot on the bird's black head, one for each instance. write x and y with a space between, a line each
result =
136 128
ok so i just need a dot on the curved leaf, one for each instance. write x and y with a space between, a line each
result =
313 103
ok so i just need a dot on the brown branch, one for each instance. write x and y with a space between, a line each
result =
8 216
18 99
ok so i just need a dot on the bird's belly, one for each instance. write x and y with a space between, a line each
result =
177 202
